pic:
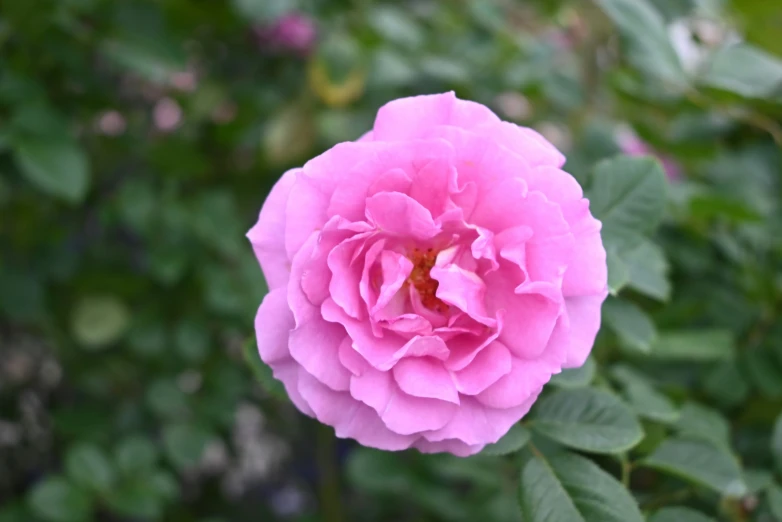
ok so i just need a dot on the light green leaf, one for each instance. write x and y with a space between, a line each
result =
57 500
99 321
628 195
57 166
185 444
744 70
694 345
776 443
618 272
647 271
262 372
589 420
192 341
395 25
134 455
576 377
633 326
166 399
700 462
88 467
263 10
758 480
570 488
649 46
644 398
679 514
698 421
775 501
511 442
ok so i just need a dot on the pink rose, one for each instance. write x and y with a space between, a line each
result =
427 280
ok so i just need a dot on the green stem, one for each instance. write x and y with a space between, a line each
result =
329 488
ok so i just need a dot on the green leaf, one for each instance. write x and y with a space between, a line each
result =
633 326
56 166
775 501
679 514
378 472
99 321
744 70
694 345
166 399
698 421
570 488
589 420
263 10
647 271
185 444
396 26
763 372
628 195
56 500
137 498
646 400
516 438
576 377
155 58
776 443
134 455
726 385
618 272
758 480
700 462
262 372
649 46
88 466
192 341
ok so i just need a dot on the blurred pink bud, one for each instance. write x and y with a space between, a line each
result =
632 145
111 123
293 32
184 81
167 114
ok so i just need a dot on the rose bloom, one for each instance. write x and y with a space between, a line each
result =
428 279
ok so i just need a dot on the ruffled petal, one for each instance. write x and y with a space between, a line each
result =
489 365
425 377
268 235
315 345
273 324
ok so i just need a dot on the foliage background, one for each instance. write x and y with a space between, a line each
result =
138 140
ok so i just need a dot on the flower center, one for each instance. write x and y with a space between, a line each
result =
423 261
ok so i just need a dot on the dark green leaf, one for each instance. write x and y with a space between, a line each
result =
570 488
135 454
58 167
745 70
511 442
56 500
628 195
88 467
576 377
694 345
647 271
698 421
700 462
679 514
589 420
649 46
644 398
633 326
185 444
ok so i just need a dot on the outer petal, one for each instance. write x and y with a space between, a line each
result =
475 424
527 143
349 417
453 446
584 315
268 235
273 325
409 118
315 345
522 384
402 413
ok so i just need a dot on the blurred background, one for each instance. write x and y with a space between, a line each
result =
138 140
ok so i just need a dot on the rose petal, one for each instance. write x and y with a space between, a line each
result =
268 235
489 365
273 324
425 377
400 215
315 345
